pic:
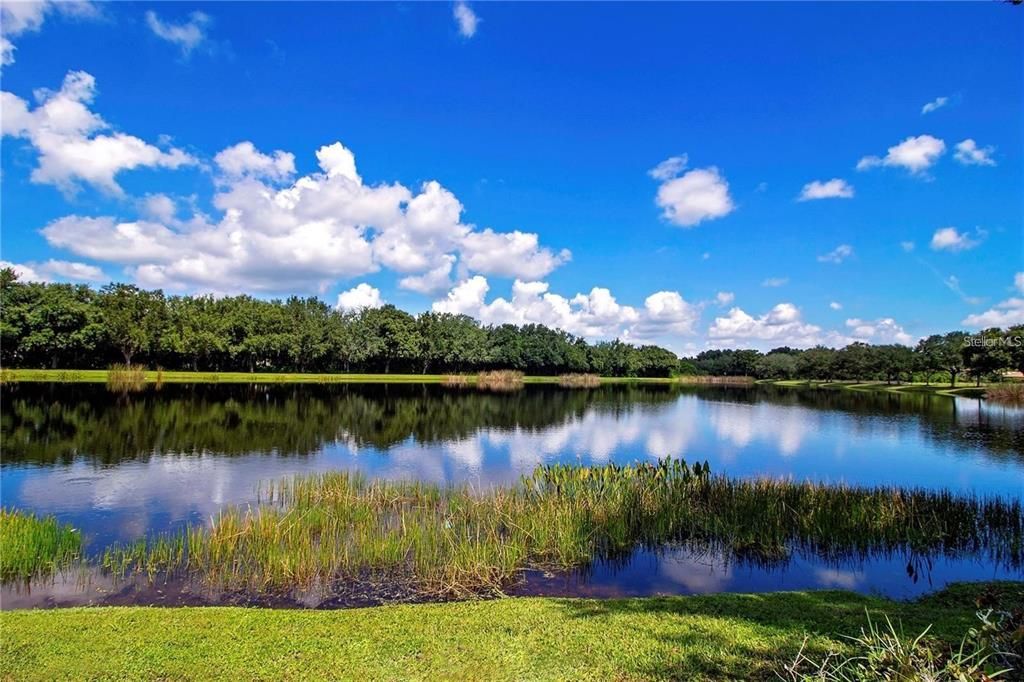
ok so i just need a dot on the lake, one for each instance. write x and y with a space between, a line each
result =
119 466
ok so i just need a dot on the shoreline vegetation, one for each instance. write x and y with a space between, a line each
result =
325 532
722 636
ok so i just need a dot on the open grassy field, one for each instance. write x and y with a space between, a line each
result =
964 390
725 636
164 376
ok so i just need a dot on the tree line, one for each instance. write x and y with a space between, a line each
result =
76 326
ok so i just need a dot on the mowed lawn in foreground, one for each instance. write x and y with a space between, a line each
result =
708 637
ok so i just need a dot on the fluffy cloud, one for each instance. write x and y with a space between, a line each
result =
949 239
936 103
56 269
916 154
836 188
244 159
594 315
186 36
360 297
698 195
970 154
306 233
784 325
465 19
25 16
67 138
1005 314
882 330
837 255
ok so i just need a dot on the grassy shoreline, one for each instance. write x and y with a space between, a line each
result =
722 636
963 391
188 377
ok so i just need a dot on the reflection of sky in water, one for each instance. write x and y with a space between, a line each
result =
124 500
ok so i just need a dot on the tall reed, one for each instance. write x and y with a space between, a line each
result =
32 546
500 380
317 530
126 378
1006 394
579 381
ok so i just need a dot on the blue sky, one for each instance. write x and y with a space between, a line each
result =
176 145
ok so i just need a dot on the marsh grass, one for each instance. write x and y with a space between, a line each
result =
323 529
456 381
126 378
33 546
1006 394
500 380
714 380
579 381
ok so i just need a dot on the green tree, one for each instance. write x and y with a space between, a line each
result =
134 318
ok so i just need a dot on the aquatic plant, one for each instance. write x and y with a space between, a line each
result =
579 381
32 546
500 380
317 530
126 378
1006 394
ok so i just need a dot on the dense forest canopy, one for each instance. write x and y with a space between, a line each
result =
75 326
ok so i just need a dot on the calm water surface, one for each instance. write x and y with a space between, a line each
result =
120 466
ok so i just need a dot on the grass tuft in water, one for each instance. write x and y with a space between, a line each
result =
126 378
500 380
579 381
33 546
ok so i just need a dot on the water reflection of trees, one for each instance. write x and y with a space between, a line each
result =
54 424
940 420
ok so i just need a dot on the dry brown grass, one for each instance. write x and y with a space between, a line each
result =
500 380
579 381
1006 394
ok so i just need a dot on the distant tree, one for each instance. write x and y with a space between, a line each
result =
400 339
133 318
944 352
984 354
818 363
776 365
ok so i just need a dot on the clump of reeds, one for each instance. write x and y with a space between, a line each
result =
324 528
1006 394
126 378
714 380
500 380
32 546
579 381
456 381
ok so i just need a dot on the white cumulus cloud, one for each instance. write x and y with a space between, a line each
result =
593 315
276 233
969 153
950 239
360 297
836 188
1004 314
689 199
916 154
56 270
25 16
465 19
68 140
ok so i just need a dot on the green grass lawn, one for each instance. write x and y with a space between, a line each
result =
710 637
100 376
967 390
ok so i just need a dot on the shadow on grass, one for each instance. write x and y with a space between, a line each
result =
752 636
